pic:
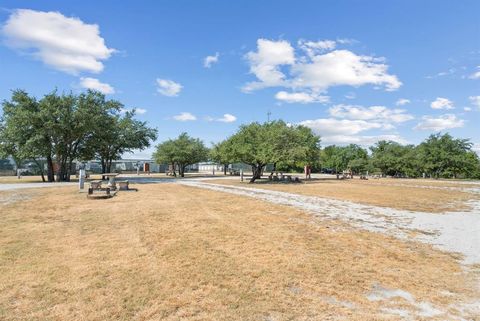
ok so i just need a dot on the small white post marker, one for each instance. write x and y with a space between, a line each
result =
81 179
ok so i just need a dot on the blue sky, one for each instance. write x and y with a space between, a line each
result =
354 71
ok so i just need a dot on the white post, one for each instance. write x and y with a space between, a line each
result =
81 179
241 175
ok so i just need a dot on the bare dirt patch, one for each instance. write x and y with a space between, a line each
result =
373 192
173 252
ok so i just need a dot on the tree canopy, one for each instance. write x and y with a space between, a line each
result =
181 152
258 144
62 128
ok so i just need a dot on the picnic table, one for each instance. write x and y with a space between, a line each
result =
111 179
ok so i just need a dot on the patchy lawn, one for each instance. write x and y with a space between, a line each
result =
413 195
173 252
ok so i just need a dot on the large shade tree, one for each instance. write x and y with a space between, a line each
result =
63 128
258 144
181 152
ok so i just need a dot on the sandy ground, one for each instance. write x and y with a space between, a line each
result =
414 195
452 231
176 252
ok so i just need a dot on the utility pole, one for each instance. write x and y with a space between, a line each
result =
268 116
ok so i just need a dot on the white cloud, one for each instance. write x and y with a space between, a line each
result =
475 75
265 63
442 103
476 148
227 118
447 121
344 131
138 111
402 101
276 65
95 84
210 60
168 87
380 114
313 48
333 127
342 67
475 101
361 140
301 97
185 116
66 44
467 109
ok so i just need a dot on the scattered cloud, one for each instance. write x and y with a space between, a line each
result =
185 116
168 87
475 101
227 118
63 43
210 60
467 109
351 95
361 140
448 72
312 48
301 97
138 111
475 75
332 127
95 84
275 64
442 103
402 101
379 114
266 61
447 121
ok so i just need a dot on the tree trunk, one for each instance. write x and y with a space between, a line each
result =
104 167
181 170
257 173
40 167
225 169
274 168
50 173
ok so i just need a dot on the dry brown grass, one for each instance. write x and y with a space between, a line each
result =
372 192
171 252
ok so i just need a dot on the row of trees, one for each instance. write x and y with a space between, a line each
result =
289 148
255 144
437 156
62 128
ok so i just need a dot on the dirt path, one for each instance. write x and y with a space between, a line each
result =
454 232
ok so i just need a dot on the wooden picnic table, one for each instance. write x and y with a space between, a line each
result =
111 179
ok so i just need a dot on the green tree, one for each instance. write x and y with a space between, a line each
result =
219 153
181 152
258 144
340 158
23 134
445 156
394 159
118 135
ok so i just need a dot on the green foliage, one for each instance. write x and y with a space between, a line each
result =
181 152
395 159
445 156
63 128
273 142
351 157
